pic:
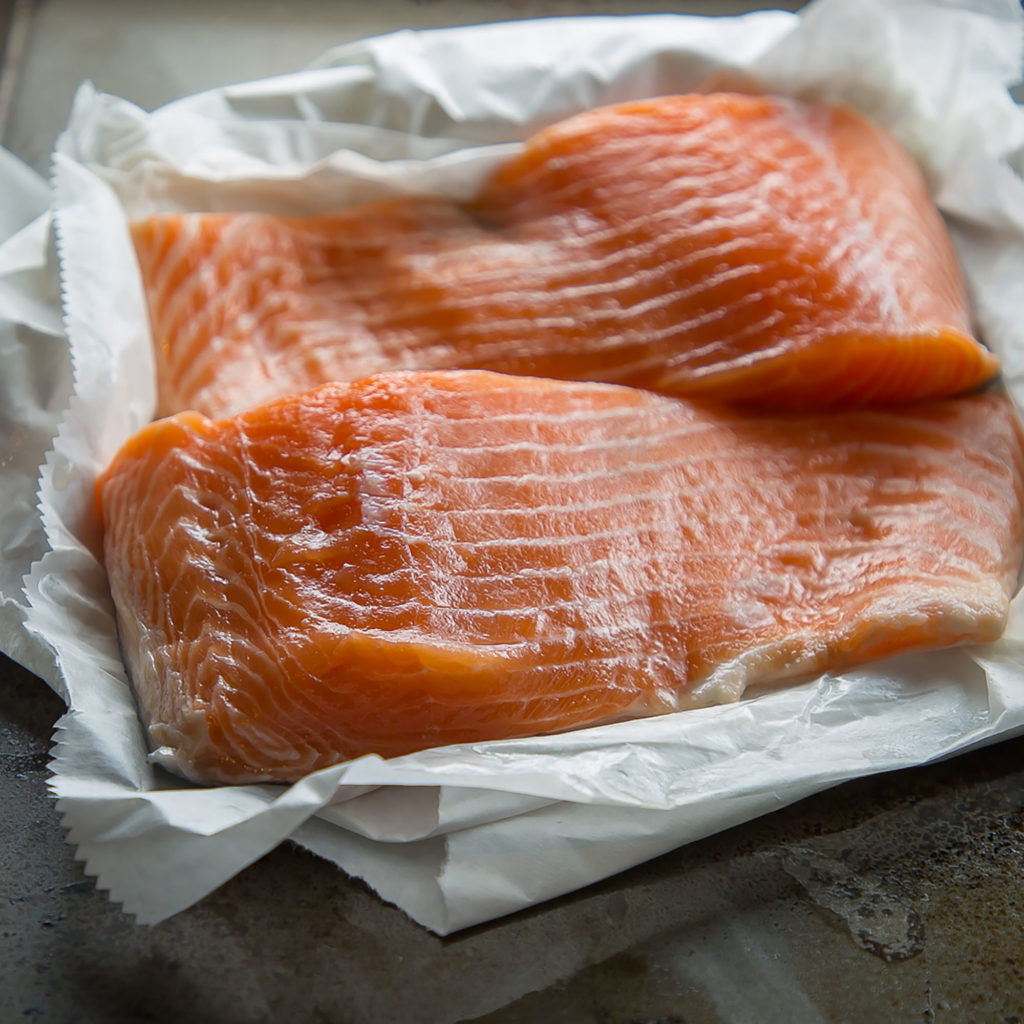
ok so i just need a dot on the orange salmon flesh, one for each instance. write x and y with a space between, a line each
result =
719 246
425 558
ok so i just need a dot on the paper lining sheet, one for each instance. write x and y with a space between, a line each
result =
455 836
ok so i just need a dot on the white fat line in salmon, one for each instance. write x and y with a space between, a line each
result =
179 311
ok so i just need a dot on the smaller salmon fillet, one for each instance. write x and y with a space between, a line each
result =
419 559
724 246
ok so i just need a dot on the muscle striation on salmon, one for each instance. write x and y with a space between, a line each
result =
418 559
725 246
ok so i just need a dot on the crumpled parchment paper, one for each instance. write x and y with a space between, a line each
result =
463 834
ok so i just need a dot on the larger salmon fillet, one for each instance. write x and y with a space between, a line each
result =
718 245
420 559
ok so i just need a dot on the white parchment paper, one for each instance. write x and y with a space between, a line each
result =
463 834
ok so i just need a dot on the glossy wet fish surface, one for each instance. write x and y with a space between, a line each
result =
424 558
720 246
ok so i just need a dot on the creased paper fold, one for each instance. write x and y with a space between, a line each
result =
463 834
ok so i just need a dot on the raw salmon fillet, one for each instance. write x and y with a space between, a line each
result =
724 246
417 559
